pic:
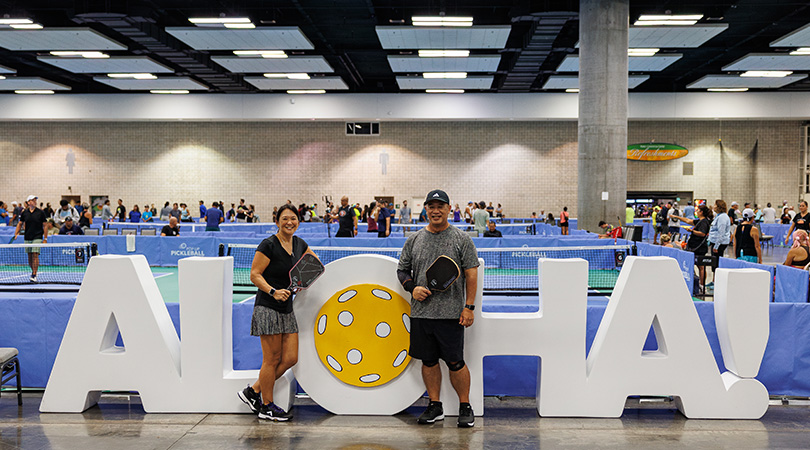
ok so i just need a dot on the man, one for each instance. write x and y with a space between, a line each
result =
16 211
662 218
121 211
175 212
405 212
674 223
65 211
241 211
438 318
490 210
106 211
689 211
734 213
347 219
480 218
769 214
383 221
609 232
213 217
171 229
491 231
36 232
468 212
69 228
203 209
629 215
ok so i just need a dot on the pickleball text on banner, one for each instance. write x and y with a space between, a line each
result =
196 375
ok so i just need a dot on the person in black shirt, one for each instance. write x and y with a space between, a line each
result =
171 229
697 242
36 231
491 231
273 317
347 220
121 211
801 221
69 227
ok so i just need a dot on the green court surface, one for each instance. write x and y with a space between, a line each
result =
166 279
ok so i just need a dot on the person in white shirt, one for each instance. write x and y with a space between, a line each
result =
769 214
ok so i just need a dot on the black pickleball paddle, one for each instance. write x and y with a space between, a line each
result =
442 273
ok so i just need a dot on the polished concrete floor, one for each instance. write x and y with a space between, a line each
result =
120 423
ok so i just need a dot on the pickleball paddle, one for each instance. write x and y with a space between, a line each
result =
305 272
442 273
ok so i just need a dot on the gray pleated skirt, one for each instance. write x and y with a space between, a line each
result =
269 321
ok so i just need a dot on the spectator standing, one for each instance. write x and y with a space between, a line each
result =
241 211
165 212
213 217
147 214
347 220
371 219
85 220
36 232
203 209
405 212
490 210
250 215
468 212
185 215
48 210
801 221
16 213
719 233
480 218
135 214
4 215
629 215
697 242
106 212
689 211
769 214
563 221
175 212
275 212
499 211
784 219
121 211
457 213
746 239
674 223
383 221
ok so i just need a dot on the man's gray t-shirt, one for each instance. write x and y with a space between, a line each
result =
419 252
480 219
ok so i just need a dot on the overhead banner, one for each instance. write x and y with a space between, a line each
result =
653 151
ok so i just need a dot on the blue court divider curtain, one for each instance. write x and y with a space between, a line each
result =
791 285
728 263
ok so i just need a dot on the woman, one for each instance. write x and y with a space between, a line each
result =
550 219
666 241
457 213
273 317
697 242
785 217
564 221
746 239
251 214
499 211
799 255
86 219
719 233
135 214
801 221
185 215
371 219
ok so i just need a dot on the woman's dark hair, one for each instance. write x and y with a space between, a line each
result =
165 205
287 207
803 201
707 213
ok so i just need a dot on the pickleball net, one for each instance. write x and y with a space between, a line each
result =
63 263
505 269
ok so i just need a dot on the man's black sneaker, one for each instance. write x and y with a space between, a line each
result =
466 418
273 412
251 398
433 413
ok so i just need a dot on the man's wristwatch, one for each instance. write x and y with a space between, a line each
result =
470 307
272 291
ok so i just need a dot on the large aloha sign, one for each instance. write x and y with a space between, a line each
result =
354 328
654 151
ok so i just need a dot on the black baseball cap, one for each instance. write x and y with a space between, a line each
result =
437 194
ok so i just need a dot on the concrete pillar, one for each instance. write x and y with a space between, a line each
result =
603 27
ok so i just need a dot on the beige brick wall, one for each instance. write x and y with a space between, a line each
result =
526 166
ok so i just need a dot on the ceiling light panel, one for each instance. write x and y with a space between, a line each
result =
655 63
129 84
798 38
673 37
30 83
477 37
478 63
76 39
281 84
115 64
769 61
734 81
297 64
471 82
572 82
4 69
264 38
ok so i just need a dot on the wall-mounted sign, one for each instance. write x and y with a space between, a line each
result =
654 151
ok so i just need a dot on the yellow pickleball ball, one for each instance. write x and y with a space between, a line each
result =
362 335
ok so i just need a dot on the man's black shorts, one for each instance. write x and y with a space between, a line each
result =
433 339
344 233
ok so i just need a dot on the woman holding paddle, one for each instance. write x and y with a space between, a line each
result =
273 317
